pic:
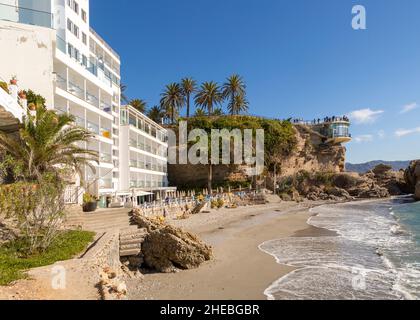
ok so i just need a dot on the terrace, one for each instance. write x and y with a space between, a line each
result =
334 129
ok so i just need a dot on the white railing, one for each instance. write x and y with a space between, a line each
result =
71 195
11 105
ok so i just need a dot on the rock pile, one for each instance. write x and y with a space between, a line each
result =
381 182
412 178
110 286
166 248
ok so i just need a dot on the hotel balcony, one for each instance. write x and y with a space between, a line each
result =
85 91
26 15
105 158
92 127
105 184
335 129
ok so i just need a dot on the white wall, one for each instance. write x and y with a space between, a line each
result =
124 159
28 53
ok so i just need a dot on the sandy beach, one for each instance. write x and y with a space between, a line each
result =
239 269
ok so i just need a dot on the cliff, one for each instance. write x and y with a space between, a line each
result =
312 155
412 178
288 149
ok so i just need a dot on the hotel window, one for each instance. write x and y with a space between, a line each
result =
84 38
70 50
76 31
84 61
74 5
76 54
84 16
69 25
73 28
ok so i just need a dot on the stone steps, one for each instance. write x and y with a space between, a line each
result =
128 253
131 239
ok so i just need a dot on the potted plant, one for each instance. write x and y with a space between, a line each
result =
22 94
90 203
32 106
13 81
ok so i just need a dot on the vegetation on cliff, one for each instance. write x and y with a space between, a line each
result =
279 136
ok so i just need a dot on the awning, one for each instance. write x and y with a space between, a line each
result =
124 193
141 193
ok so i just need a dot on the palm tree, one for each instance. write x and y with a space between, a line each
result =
209 96
218 112
200 113
124 99
172 100
189 86
233 87
239 104
46 144
156 114
139 104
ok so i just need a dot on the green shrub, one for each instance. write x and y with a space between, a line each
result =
88 198
37 208
14 260
4 86
220 203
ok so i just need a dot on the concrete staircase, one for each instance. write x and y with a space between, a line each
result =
11 113
131 240
101 221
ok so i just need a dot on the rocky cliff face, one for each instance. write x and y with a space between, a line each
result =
310 154
381 182
412 178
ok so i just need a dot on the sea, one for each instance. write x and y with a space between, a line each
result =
374 254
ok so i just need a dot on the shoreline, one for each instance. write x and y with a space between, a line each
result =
240 270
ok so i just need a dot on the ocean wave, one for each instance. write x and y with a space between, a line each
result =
371 248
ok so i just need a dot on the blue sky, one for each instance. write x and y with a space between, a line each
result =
299 58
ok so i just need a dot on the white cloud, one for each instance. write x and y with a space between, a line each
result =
364 138
405 132
409 107
364 116
381 134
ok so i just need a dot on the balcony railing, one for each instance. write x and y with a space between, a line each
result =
79 121
26 15
76 90
105 158
61 82
106 107
92 99
106 133
94 128
105 183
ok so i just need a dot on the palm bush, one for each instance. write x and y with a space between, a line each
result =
47 143
33 166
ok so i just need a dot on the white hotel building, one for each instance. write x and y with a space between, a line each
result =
51 48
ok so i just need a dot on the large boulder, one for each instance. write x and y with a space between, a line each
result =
391 180
167 248
412 178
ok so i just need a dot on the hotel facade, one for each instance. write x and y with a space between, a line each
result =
52 50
